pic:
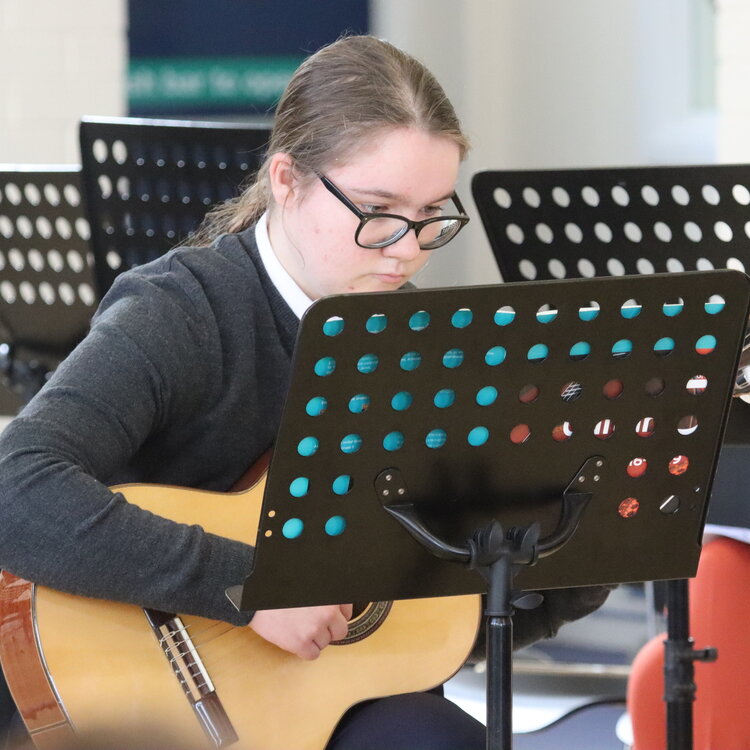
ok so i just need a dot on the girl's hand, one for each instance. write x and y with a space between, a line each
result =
303 631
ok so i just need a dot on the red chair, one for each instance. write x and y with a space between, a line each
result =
719 617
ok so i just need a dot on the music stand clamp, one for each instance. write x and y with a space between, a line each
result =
506 423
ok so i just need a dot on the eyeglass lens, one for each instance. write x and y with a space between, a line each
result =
382 231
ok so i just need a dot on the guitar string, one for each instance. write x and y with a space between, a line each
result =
215 665
218 659
197 675
193 633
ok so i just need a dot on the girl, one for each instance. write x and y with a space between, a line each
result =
182 378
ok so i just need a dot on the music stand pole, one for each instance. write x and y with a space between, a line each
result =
679 656
499 642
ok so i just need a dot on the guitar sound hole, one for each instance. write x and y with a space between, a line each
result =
366 618
358 609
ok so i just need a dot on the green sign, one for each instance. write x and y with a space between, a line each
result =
254 82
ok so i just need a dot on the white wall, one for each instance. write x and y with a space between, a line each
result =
557 83
733 74
60 59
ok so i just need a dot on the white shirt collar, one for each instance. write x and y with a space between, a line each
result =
286 285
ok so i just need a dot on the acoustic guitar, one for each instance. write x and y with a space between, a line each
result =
81 668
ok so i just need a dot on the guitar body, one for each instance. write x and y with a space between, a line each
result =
96 668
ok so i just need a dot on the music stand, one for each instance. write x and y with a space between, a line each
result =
572 425
47 292
149 183
581 223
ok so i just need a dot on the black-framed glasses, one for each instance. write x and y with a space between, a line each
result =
378 230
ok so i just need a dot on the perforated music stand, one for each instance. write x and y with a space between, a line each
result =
149 183
573 223
486 405
47 293
580 223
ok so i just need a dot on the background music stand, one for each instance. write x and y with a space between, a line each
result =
404 383
573 223
149 183
580 223
47 293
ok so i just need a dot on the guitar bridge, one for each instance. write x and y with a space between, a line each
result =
193 676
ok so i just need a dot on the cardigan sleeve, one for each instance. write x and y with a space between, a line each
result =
60 525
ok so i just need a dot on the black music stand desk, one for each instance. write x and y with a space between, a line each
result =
499 439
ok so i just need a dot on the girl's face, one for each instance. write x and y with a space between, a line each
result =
402 171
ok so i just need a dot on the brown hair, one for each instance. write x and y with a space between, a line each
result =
335 101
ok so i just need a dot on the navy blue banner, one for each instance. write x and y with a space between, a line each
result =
190 57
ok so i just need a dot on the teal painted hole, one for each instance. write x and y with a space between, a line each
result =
351 443
622 348
546 316
580 350
495 355
299 487
359 403
376 323
368 363
714 306
419 321
325 366
316 406
453 358
705 344
292 528
504 316
672 309
402 401
308 446
410 361
335 525
630 310
588 313
444 398
538 353
478 436
435 438
393 441
462 318
333 326
342 485
487 395
664 345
